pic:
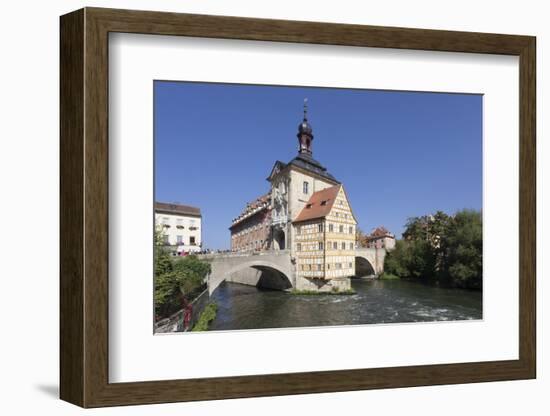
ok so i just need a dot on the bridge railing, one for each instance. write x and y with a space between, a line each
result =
243 254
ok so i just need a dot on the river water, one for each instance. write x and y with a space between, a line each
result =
376 301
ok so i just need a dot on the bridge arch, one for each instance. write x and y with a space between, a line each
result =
373 256
363 267
254 272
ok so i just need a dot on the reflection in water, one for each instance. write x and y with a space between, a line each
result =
376 301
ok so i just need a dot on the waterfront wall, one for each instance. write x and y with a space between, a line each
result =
339 283
174 323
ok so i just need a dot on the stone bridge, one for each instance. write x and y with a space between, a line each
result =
275 270
270 269
369 261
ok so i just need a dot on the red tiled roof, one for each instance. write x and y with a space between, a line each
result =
319 205
258 201
378 233
261 201
177 209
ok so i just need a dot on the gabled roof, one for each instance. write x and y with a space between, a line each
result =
319 205
177 209
380 232
305 162
277 167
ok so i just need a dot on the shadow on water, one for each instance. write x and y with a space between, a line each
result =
376 301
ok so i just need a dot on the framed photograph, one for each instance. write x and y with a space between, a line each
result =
255 207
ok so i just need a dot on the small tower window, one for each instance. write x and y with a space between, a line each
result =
306 187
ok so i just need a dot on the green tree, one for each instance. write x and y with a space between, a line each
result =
442 248
411 259
463 247
176 281
360 237
191 273
396 261
416 228
163 262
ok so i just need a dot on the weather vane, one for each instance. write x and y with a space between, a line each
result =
305 108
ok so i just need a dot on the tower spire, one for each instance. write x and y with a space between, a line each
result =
305 134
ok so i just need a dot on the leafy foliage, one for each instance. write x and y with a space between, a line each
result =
177 282
463 247
207 316
360 237
440 248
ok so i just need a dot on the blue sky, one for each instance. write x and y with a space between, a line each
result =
398 154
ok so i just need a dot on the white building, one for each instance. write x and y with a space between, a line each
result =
181 226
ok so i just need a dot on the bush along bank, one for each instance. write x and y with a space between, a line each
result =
443 249
207 316
177 281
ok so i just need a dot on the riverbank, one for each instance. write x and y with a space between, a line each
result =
206 317
428 282
388 276
175 322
